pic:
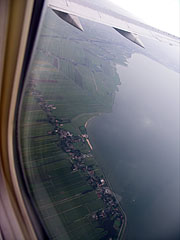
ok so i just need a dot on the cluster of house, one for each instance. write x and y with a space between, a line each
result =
67 140
104 192
45 107
40 99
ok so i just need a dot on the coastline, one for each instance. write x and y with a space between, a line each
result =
86 123
111 210
87 140
122 230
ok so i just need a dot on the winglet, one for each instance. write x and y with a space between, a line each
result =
71 19
132 37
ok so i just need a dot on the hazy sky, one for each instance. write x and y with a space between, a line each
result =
162 14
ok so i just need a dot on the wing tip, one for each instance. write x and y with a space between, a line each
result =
130 36
69 18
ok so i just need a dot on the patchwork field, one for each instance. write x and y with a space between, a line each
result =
72 79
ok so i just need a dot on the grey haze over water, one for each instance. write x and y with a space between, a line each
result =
138 147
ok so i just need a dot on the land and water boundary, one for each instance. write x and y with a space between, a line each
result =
109 215
75 76
72 79
121 233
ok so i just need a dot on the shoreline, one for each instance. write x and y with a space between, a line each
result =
88 142
124 220
86 123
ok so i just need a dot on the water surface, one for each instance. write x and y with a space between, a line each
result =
138 146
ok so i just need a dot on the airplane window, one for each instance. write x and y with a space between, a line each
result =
99 133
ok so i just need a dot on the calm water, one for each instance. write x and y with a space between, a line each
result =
138 146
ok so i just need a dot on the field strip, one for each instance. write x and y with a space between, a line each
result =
39 136
70 209
40 142
35 160
37 110
36 123
74 184
62 201
41 145
87 215
45 164
75 229
60 213
70 191
70 185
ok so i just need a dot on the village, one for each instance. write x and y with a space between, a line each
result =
111 213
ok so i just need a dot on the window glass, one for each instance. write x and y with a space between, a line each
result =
99 126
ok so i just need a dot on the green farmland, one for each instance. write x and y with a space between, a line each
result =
72 78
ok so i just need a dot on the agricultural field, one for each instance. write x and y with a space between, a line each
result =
72 78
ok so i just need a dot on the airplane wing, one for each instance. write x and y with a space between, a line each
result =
125 24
